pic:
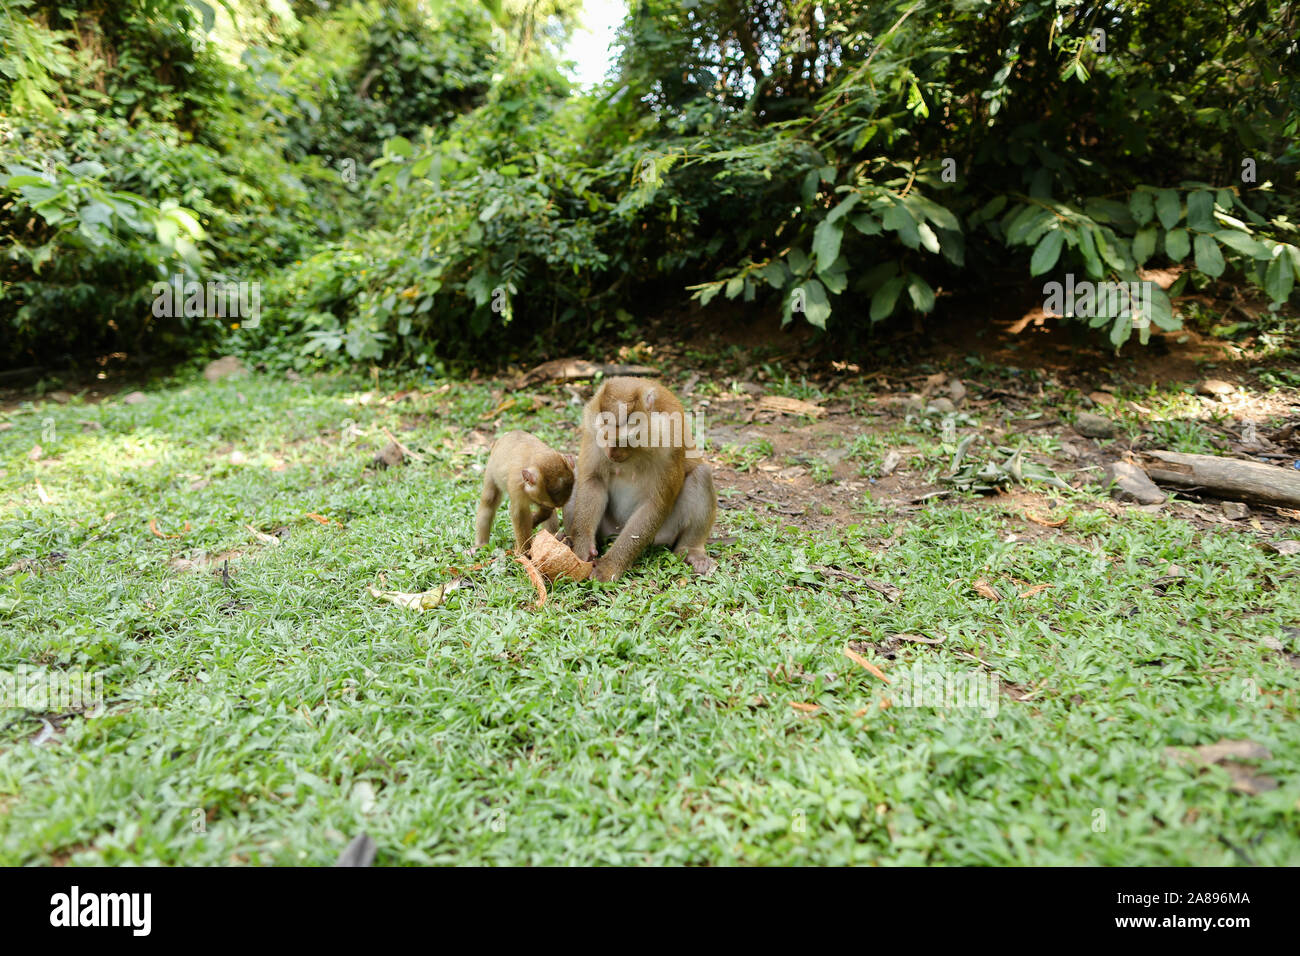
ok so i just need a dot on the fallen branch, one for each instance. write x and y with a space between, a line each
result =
573 370
1225 477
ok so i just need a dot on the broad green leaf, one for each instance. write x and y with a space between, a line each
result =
844 207
1142 205
900 220
928 238
1177 244
1200 210
1088 247
882 303
1046 253
817 307
1168 208
867 224
1279 279
1208 258
921 294
1144 243
1162 310
826 242
1243 243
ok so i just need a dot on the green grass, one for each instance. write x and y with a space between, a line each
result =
648 721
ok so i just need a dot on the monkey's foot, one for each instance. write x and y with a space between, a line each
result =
604 572
700 562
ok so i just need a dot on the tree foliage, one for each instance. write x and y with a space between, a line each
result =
409 178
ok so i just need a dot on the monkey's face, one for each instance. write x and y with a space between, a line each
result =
551 485
622 420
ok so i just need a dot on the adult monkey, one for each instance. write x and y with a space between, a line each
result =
640 480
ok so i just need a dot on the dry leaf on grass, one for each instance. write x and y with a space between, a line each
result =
984 589
264 538
420 601
865 664
1036 518
507 404
805 708
1036 589
153 526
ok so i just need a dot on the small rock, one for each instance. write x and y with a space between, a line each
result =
293 376
944 406
1235 510
134 398
1216 388
1132 484
891 462
1094 426
957 391
1104 399
223 368
61 397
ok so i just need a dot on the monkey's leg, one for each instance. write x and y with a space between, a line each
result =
487 510
589 500
521 517
635 537
690 523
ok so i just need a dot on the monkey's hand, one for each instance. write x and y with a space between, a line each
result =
604 571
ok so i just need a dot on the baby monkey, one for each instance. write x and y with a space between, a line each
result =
531 473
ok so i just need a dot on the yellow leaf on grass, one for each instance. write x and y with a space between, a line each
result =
419 601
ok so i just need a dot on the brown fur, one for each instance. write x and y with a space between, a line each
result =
638 495
529 472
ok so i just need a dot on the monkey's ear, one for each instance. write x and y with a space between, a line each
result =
648 399
530 476
571 461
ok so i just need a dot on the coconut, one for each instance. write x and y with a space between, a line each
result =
555 559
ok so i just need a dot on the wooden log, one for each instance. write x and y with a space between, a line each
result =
573 370
1225 477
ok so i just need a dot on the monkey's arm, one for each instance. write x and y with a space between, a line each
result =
590 496
635 537
521 518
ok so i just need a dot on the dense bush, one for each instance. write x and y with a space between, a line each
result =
410 178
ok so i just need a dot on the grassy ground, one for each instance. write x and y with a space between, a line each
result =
269 717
